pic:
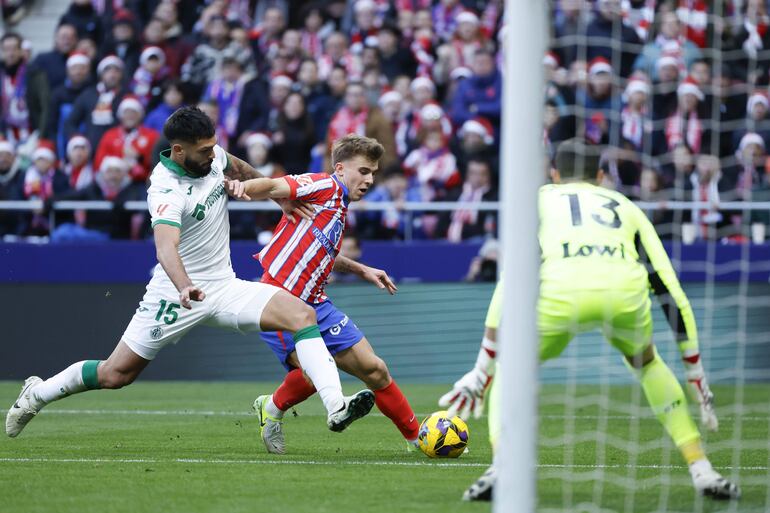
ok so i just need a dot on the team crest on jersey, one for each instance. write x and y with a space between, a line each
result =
329 242
156 333
304 180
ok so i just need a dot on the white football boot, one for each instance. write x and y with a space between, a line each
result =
356 406
270 428
481 490
23 410
710 483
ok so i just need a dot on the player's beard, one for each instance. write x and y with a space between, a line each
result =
195 168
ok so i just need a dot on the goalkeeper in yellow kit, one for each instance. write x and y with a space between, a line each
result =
600 258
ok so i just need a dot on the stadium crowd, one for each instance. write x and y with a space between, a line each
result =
677 89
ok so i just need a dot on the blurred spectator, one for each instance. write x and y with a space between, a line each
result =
291 52
476 142
54 63
467 223
112 183
664 96
173 98
705 181
227 92
177 49
606 32
258 146
254 108
685 126
82 15
433 166
295 137
22 92
461 50
204 64
280 87
319 103
484 266
211 109
730 102
266 38
148 78
445 15
392 105
93 112
336 53
570 22
78 168
480 94
677 169
422 92
636 124
753 36
392 223
41 181
122 41
757 118
365 30
395 59
314 30
129 141
669 41
358 118
749 169
11 187
598 93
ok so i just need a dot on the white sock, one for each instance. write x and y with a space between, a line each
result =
67 382
273 410
319 365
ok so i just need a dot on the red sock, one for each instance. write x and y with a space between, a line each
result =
294 389
393 404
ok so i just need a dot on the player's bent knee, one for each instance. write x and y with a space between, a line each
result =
112 379
378 375
304 317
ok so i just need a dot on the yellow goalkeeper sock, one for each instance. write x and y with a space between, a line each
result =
668 402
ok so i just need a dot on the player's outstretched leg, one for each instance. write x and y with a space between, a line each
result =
668 402
482 489
119 370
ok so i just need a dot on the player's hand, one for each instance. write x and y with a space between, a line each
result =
296 208
467 395
380 278
699 391
190 293
236 189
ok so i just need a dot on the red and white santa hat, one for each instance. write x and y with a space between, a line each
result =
751 138
110 60
390 96
690 86
666 60
419 82
599 65
130 103
78 58
150 52
281 81
78 141
757 97
467 17
460 72
636 85
551 59
260 138
6 147
112 162
45 150
431 112
479 126
365 5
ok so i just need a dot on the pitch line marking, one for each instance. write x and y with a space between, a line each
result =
198 461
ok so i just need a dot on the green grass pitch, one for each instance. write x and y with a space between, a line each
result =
193 447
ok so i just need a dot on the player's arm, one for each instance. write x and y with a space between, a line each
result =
259 189
378 277
241 171
167 250
467 394
678 312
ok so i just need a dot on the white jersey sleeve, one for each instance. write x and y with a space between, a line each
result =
220 158
166 204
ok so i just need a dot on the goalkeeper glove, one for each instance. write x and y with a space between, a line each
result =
698 389
467 394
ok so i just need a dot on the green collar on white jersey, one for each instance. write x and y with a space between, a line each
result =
165 159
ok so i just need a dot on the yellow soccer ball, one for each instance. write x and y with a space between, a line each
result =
442 436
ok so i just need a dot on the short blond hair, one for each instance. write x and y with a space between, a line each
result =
354 145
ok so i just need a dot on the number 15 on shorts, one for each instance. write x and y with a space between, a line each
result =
168 312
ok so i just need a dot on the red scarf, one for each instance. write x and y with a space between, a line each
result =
680 130
347 122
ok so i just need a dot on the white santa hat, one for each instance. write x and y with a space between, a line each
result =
460 72
152 51
478 126
751 138
551 59
78 141
666 60
259 138
110 60
78 58
42 152
467 17
422 82
636 85
281 81
111 162
755 99
690 86
431 112
130 102
390 96
365 5
6 147
599 65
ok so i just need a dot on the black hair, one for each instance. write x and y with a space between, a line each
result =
11 35
578 160
188 124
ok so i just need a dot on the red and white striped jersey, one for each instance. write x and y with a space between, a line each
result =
301 255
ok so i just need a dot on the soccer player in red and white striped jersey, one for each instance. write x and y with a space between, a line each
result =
299 258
